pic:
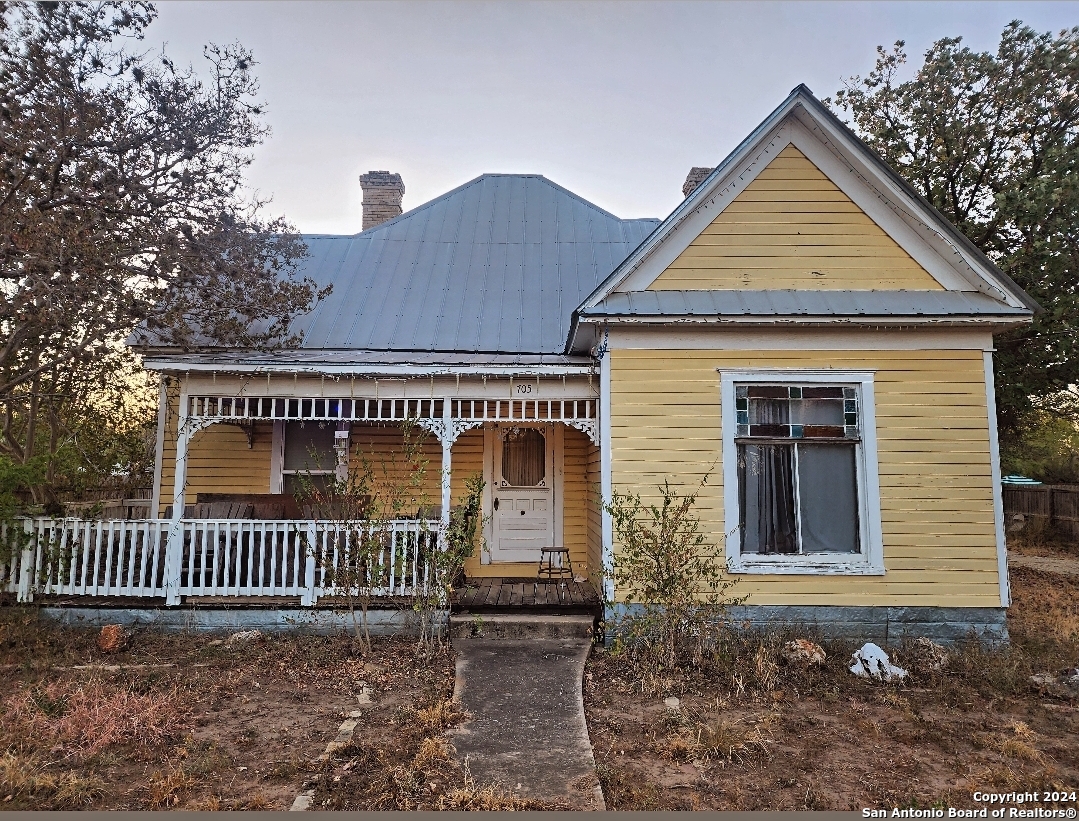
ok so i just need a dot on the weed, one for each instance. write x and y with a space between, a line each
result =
165 790
433 750
205 758
257 802
672 578
50 707
26 777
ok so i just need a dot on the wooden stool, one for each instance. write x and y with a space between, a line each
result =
555 566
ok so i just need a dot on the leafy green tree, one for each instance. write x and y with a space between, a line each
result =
122 210
992 141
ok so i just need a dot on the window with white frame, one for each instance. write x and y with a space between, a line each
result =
800 493
309 452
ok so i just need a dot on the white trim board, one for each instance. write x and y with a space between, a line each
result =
645 337
998 490
313 386
160 363
871 561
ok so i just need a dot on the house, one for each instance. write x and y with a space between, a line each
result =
803 328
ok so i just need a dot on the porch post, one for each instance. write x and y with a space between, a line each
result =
606 484
159 447
447 447
174 544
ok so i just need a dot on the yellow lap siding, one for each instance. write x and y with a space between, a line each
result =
382 446
218 458
219 461
936 488
793 228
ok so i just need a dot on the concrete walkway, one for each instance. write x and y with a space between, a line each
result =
1064 566
528 730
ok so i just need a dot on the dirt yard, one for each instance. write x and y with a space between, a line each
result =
760 734
194 722
189 722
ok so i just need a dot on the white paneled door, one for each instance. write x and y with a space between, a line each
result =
523 493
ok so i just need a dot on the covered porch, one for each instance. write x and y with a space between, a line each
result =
225 520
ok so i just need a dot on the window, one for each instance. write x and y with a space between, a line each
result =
524 458
309 449
799 496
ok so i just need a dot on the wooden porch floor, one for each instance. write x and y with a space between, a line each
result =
498 594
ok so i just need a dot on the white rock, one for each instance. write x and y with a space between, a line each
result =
803 651
671 703
872 662
243 637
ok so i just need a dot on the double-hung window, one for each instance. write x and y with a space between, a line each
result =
309 452
799 470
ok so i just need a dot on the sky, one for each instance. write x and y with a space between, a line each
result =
614 101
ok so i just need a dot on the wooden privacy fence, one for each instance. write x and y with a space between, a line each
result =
170 559
1056 504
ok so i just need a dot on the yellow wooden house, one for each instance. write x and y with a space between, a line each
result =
804 329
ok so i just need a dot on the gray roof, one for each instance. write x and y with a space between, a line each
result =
736 303
495 266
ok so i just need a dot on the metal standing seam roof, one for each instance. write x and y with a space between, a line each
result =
495 266
838 303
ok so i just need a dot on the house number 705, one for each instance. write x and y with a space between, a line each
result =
526 388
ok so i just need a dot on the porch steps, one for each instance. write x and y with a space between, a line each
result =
497 626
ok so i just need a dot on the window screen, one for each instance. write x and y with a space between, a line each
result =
524 458
797 468
309 447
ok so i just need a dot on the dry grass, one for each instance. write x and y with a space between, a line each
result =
1045 605
27 777
755 733
86 717
166 789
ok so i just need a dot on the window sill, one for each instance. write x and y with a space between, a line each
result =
803 567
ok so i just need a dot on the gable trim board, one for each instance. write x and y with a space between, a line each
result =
804 122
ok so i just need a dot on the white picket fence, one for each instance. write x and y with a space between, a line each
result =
170 559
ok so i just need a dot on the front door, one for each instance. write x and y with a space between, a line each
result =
523 495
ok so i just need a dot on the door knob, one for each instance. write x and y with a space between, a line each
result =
496 504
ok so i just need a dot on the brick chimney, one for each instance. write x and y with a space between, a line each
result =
696 176
382 195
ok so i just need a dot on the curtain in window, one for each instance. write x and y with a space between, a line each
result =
524 457
766 491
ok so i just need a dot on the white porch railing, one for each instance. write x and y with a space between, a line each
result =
211 557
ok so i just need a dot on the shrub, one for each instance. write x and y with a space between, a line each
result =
672 577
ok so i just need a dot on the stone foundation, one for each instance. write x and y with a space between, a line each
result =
881 625
306 620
